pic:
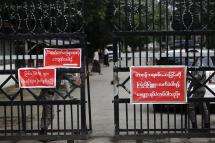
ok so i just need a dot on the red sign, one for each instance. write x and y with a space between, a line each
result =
158 85
37 78
62 58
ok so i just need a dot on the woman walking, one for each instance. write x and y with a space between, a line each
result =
96 66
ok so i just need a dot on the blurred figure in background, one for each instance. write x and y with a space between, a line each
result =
106 60
96 65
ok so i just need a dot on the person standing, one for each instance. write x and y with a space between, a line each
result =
198 92
106 60
46 94
96 65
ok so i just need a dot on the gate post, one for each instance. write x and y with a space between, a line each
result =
83 105
116 114
82 88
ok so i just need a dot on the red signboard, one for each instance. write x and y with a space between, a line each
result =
37 78
158 84
62 58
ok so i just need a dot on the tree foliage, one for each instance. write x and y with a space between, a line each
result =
97 22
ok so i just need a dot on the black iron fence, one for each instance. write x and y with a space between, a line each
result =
22 120
26 111
137 122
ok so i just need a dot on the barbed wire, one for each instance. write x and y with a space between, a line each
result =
39 16
189 14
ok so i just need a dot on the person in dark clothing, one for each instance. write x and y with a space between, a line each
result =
106 54
48 94
198 92
96 65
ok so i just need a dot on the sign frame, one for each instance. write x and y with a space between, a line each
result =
19 79
64 65
132 101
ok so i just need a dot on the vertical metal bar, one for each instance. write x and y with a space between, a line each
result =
38 118
167 43
168 121
4 61
45 115
5 120
160 50
37 53
187 118
147 50
71 112
153 15
88 90
160 13
141 117
181 113
208 50
64 109
31 116
201 12
161 116
133 56
18 116
174 38
175 118
52 109
140 53
10 52
119 19
201 43
173 10
126 15
11 118
153 50
23 110
155 121
132 15
167 16
70 14
82 90
126 51
148 127
78 119
135 120
139 16
209 112
146 16
194 45
180 13
58 120
174 48
181 50
126 117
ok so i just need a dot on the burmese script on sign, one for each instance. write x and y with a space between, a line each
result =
157 84
37 78
62 58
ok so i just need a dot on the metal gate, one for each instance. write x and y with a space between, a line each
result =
27 27
162 33
23 110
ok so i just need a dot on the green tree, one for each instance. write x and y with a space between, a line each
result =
97 22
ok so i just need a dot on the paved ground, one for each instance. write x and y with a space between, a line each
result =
102 113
